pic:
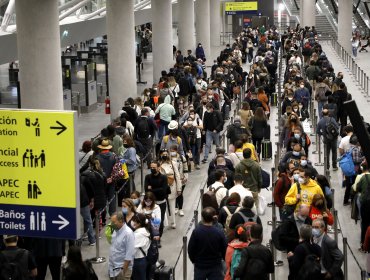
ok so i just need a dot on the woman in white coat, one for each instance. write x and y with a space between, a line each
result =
170 168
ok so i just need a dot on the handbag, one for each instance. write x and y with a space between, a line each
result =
288 210
262 204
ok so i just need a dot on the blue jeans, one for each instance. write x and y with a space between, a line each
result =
163 129
139 269
212 273
88 225
195 150
320 106
210 138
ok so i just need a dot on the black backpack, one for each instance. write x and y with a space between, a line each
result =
256 268
153 253
192 135
311 268
184 86
11 264
142 128
331 130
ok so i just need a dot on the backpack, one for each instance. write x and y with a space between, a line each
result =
311 268
153 253
167 137
228 218
320 94
347 165
275 236
248 221
209 198
108 232
184 86
192 135
11 267
235 260
256 268
142 128
331 130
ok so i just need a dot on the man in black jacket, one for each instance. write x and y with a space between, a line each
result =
256 260
331 256
156 183
213 124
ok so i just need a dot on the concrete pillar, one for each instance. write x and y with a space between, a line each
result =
345 24
162 37
215 21
203 26
121 53
186 26
38 41
308 13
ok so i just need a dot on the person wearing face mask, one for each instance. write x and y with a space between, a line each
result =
288 130
305 164
305 248
302 95
129 156
236 130
157 184
199 52
213 124
170 167
302 138
308 188
122 249
282 187
213 97
174 138
287 102
319 210
128 211
141 227
135 197
293 155
331 257
193 127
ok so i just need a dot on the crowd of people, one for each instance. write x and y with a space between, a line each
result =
171 130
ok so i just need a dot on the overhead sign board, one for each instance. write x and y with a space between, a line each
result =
39 191
233 8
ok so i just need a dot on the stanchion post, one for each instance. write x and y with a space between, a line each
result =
116 201
336 226
274 255
319 143
201 195
345 263
196 221
142 175
185 256
97 258
326 160
363 275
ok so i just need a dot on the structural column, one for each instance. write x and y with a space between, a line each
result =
308 12
186 26
203 26
345 24
215 19
121 53
38 40
162 37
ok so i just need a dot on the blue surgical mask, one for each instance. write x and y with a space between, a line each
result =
124 211
296 177
303 162
301 180
136 201
297 136
225 180
316 232
295 153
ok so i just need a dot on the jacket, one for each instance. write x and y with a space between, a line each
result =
251 172
96 181
130 157
107 161
255 250
235 244
281 189
264 100
321 127
142 240
314 213
171 169
257 127
308 190
159 185
234 131
332 257
213 121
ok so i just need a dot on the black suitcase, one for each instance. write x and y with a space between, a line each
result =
266 150
267 132
164 273
273 98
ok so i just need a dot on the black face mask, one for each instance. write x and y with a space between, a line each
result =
153 171
174 132
164 157
125 145
204 102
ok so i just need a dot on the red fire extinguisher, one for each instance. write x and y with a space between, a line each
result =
107 105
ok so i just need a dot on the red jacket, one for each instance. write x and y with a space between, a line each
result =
235 244
281 189
366 245
314 213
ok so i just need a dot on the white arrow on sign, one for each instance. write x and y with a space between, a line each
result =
63 222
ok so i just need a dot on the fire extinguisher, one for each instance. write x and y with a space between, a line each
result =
107 105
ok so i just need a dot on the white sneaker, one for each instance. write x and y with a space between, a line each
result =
176 211
173 225
181 213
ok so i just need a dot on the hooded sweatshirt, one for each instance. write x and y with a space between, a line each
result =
251 172
142 240
235 244
308 190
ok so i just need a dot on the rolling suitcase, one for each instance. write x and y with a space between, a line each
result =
266 150
273 98
267 132
164 273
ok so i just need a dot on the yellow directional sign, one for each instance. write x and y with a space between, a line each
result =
37 158
241 6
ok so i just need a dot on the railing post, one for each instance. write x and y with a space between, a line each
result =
185 257
345 263
97 258
201 195
142 175
336 225
196 221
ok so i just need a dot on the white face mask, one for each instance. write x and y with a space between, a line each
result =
190 123
301 86
173 154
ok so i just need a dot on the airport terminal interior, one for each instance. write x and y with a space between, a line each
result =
90 56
